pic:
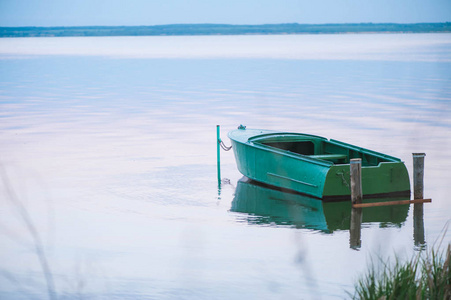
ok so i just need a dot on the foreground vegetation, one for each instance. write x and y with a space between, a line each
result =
222 29
427 276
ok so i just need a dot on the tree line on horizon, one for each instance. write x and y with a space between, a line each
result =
223 29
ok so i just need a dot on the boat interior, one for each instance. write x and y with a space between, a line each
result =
321 148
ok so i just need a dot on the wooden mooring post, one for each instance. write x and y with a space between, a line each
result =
356 180
418 175
355 241
418 188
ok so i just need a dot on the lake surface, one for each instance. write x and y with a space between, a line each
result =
108 162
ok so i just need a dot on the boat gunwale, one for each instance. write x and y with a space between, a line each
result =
306 158
277 134
366 151
254 140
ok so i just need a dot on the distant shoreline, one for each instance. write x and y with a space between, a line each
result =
223 29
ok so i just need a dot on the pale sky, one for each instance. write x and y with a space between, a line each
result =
158 12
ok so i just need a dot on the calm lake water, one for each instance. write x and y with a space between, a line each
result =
108 161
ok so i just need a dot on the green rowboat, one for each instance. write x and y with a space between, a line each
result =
314 165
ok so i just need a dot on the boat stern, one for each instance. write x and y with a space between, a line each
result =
384 180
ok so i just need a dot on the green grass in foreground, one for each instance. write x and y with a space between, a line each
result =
426 276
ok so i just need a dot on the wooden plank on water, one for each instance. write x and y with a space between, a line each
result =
399 202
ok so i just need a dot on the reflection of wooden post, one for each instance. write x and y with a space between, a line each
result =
356 197
356 180
355 228
418 221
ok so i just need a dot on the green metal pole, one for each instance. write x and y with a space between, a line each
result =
218 140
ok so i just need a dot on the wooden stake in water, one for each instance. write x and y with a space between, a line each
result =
356 180
356 198
218 151
418 220
418 175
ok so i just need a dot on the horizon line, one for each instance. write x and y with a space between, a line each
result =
225 24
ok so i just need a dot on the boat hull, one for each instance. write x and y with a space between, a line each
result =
309 175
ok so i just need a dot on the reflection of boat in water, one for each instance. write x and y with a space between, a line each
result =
314 165
266 206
